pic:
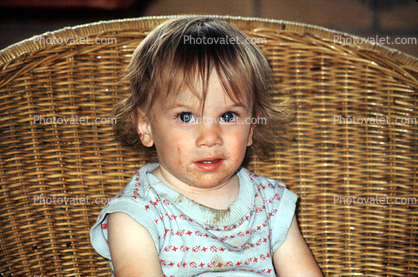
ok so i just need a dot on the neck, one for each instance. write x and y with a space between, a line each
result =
219 197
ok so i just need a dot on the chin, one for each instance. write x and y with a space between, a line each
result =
212 181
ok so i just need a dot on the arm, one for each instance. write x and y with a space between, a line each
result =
293 257
131 247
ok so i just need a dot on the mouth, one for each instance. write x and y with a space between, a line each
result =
209 164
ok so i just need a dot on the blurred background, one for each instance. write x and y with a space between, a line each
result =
394 20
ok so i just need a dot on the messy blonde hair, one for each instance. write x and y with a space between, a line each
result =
170 58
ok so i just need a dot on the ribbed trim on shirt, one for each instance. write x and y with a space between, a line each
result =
207 215
285 214
124 206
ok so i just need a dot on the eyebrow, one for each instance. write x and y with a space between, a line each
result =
239 105
190 107
179 105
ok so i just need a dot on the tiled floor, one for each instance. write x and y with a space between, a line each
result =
395 20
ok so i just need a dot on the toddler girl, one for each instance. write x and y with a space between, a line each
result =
199 94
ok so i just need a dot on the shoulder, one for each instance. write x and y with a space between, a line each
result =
137 196
135 200
279 203
266 186
139 186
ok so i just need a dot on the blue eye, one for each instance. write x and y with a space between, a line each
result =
186 117
228 117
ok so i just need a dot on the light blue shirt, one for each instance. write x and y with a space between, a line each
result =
195 240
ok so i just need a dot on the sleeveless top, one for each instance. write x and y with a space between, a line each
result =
196 240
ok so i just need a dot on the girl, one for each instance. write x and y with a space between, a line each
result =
199 94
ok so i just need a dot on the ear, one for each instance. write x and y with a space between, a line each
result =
250 135
143 127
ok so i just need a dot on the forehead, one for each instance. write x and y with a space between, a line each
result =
200 91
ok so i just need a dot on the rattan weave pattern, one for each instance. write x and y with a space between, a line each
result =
330 162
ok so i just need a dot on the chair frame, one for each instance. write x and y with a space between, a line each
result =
327 163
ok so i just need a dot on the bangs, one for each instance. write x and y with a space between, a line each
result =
192 65
188 57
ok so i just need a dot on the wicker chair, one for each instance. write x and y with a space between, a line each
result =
357 179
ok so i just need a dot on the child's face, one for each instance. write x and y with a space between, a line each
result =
199 148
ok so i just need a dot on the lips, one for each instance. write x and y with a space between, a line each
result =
209 164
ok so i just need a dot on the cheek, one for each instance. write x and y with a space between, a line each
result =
238 142
246 134
174 148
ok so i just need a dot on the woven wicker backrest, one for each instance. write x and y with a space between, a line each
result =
357 179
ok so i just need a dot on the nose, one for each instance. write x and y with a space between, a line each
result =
209 134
